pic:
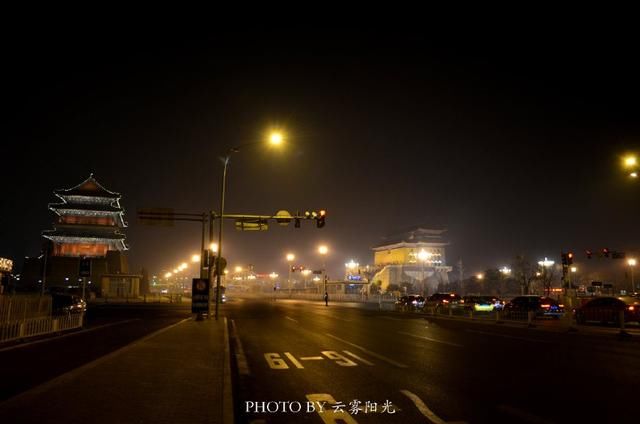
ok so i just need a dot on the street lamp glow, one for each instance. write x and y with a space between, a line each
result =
276 138
505 270
630 161
213 247
323 250
479 276
633 175
306 272
273 275
238 269
175 271
290 257
546 263
351 265
632 262
183 265
168 274
574 269
195 258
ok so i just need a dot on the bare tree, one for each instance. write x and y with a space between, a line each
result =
524 272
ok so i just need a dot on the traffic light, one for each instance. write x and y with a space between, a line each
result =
565 260
569 258
296 222
320 219
589 254
605 252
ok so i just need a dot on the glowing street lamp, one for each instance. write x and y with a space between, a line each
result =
505 271
630 161
323 250
213 247
632 264
480 276
276 138
195 258
290 258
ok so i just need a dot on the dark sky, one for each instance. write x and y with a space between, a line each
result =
510 140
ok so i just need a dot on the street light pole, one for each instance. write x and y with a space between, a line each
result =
221 218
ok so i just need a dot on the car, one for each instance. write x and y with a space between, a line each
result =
542 306
409 302
62 303
606 310
481 303
440 300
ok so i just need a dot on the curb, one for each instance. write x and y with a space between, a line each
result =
227 389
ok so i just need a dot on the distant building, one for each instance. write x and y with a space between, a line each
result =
89 223
414 258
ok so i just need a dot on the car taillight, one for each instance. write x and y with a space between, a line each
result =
462 301
631 308
445 301
545 306
561 306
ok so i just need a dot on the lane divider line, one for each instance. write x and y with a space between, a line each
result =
241 359
353 355
375 355
423 408
293 360
291 319
430 339
311 358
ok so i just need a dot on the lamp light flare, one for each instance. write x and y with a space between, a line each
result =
630 161
632 262
323 250
213 247
195 258
290 257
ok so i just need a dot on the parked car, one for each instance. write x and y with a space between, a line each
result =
413 301
440 300
62 303
542 306
607 310
481 303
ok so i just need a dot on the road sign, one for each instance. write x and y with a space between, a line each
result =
251 225
200 295
283 217
84 269
317 271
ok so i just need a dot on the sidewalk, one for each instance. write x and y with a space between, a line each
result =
179 374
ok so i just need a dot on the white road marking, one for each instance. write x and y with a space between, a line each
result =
275 361
392 319
290 319
430 339
522 415
311 358
353 355
375 355
293 360
424 409
341 360
241 359
328 416
526 339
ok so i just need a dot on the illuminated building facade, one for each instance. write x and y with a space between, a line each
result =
88 223
415 257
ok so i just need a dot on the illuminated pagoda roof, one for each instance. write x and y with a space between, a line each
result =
90 188
412 237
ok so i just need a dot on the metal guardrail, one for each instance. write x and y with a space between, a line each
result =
31 327
24 306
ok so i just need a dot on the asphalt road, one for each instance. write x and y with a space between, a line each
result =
425 370
108 327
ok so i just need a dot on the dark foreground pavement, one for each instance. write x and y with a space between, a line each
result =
179 374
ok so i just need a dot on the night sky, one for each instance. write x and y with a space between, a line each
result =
511 141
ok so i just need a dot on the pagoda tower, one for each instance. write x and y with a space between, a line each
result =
88 221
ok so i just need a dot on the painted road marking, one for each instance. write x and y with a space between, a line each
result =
526 339
241 359
375 355
341 360
430 339
277 362
353 355
328 416
290 319
424 409
293 360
